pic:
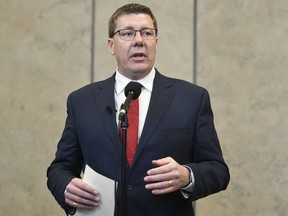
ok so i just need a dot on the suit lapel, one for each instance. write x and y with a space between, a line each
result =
104 99
161 97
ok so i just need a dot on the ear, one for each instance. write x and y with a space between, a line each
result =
111 46
156 44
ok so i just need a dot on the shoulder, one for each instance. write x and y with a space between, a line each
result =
92 87
180 85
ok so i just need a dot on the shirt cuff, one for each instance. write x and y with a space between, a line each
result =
190 187
71 211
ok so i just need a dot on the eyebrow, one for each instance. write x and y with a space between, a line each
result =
132 28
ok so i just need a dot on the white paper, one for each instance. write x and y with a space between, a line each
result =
106 188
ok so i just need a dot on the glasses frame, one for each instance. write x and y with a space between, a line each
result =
135 31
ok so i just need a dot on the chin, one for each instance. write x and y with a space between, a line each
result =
138 74
143 69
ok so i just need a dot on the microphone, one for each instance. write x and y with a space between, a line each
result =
132 92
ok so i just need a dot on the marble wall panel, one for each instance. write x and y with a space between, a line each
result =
242 51
243 61
44 54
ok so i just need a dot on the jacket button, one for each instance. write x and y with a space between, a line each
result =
129 187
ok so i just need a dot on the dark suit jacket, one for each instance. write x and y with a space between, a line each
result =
179 124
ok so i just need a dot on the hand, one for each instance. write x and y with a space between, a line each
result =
79 194
167 177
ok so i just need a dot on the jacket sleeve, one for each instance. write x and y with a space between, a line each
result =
209 168
68 161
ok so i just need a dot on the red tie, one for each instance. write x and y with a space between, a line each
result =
132 131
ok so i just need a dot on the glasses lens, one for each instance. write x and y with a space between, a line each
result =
148 34
129 34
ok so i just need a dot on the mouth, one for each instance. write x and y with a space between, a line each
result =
138 56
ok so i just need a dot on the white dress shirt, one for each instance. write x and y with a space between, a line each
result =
144 98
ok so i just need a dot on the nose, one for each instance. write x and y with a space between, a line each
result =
138 39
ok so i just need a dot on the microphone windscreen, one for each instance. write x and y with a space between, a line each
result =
134 87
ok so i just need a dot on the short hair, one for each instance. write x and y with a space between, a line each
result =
133 8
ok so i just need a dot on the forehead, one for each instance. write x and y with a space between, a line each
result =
135 21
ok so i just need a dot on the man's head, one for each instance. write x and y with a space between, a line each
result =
129 9
132 39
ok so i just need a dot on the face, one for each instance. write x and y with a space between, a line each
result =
135 58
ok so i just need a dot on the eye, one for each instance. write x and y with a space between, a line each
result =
147 32
127 33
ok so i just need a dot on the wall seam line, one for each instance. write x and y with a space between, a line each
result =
93 28
195 41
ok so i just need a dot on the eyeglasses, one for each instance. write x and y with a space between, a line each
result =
129 34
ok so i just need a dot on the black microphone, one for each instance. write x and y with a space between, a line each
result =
132 92
110 110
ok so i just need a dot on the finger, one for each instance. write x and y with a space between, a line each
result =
81 202
158 177
79 183
162 173
161 187
164 168
79 188
158 185
78 193
81 194
80 205
162 161
164 165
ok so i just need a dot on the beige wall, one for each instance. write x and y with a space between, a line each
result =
44 54
242 60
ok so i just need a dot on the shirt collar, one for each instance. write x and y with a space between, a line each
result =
122 81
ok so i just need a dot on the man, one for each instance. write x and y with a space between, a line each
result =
178 157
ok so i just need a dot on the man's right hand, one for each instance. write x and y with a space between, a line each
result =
79 194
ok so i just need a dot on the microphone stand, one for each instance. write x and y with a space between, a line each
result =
123 199
132 91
